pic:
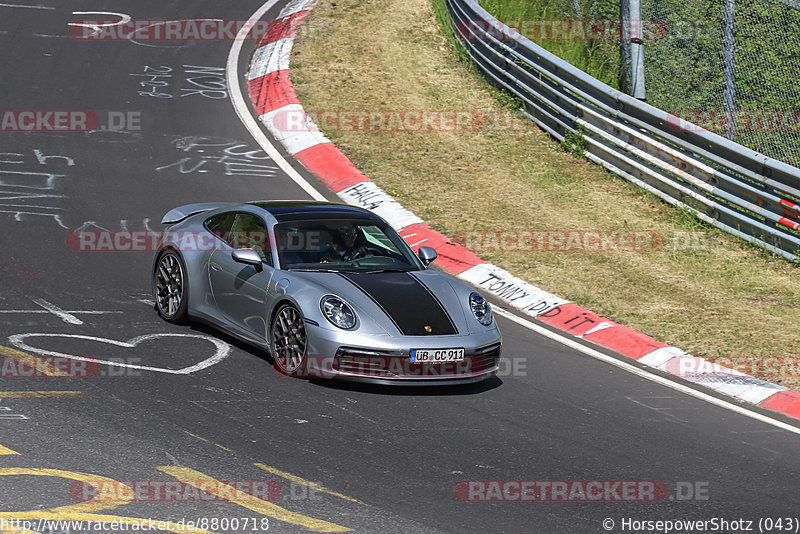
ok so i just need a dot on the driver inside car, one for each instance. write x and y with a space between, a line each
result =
344 240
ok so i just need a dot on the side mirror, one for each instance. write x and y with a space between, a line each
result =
247 256
427 255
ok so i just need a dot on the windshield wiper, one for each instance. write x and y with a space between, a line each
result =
386 271
309 270
317 270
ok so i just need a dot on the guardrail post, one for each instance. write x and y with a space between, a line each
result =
729 67
631 48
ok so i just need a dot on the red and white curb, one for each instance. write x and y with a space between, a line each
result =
276 104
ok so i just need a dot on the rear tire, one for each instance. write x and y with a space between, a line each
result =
288 341
171 288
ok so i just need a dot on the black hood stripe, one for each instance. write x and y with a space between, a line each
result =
406 301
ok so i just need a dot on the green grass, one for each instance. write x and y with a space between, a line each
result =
598 58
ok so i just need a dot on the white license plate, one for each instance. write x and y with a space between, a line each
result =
437 355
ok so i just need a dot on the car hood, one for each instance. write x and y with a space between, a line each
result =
417 303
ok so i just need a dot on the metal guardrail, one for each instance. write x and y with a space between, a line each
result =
723 183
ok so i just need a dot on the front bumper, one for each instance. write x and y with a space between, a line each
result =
386 359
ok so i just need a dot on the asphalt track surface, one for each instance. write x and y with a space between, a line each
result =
397 455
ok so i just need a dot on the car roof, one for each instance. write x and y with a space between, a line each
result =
295 210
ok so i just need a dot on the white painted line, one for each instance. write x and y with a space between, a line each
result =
52 36
31 206
82 312
643 373
58 312
68 316
27 6
222 352
240 106
132 38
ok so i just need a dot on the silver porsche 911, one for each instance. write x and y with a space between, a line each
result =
330 290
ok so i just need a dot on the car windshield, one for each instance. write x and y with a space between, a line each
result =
343 245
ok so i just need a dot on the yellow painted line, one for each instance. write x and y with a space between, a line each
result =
86 511
229 493
293 478
201 438
18 531
95 504
24 358
6 451
39 394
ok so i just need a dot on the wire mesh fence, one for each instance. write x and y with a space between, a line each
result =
756 103
729 66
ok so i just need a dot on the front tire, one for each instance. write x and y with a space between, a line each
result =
171 288
288 341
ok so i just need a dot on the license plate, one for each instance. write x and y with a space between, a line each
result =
437 355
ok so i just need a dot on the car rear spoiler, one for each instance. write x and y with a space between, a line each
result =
178 214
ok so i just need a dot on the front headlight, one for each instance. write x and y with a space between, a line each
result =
338 312
480 309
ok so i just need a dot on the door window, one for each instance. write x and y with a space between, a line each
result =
249 231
